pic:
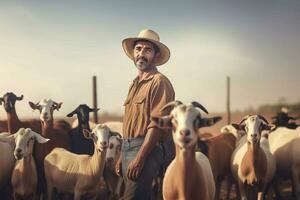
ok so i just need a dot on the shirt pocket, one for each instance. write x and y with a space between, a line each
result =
139 103
139 106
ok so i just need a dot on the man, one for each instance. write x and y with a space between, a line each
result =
141 155
282 119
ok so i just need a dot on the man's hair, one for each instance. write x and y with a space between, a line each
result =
156 49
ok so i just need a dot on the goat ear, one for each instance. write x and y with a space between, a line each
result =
205 122
113 133
239 127
58 106
39 138
1 99
162 122
95 110
7 137
20 97
32 105
269 127
87 134
71 114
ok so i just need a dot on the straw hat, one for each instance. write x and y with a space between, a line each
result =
150 36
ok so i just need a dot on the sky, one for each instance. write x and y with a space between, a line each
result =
51 49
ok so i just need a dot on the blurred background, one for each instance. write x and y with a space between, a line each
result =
51 49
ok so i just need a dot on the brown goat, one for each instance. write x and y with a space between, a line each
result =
223 145
13 121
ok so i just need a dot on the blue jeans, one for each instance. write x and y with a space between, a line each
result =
142 187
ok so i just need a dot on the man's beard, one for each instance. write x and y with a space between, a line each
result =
143 66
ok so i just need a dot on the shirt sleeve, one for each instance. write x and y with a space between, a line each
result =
161 94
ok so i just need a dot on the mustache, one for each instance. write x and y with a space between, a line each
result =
142 58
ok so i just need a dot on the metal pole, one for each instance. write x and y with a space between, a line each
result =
228 101
95 99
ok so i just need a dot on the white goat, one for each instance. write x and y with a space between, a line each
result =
24 176
285 146
252 164
7 161
79 174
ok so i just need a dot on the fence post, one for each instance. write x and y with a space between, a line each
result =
95 99
228 101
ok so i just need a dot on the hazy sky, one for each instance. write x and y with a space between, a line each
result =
51 49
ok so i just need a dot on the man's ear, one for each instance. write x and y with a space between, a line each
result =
205 122
157 55
162 122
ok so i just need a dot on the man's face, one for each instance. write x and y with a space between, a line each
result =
144 55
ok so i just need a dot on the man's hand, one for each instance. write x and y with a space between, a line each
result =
135 167
118 166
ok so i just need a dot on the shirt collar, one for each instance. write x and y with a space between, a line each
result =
147 77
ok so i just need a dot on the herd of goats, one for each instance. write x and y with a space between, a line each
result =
50 159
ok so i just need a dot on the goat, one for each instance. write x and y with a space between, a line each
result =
7 161
252 164
284 145
13 121
78 174
58 137
79 144
24 176
114 183
189 176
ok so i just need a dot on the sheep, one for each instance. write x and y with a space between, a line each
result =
24 176
252 164
78 174
284 145
58 137
189 176
113 182
7 161
79 144
13 122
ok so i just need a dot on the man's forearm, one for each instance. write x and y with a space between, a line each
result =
151 139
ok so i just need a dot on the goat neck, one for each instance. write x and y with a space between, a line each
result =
254 164
186 165
47 127
13 122
25 171
98 161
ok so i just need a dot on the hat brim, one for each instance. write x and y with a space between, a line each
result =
163 49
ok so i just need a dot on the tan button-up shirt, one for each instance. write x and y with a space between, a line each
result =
145 99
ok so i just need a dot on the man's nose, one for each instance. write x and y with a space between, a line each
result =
142 52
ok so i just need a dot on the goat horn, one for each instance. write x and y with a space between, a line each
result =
198 105
171 104
20 97
244 119
264 119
